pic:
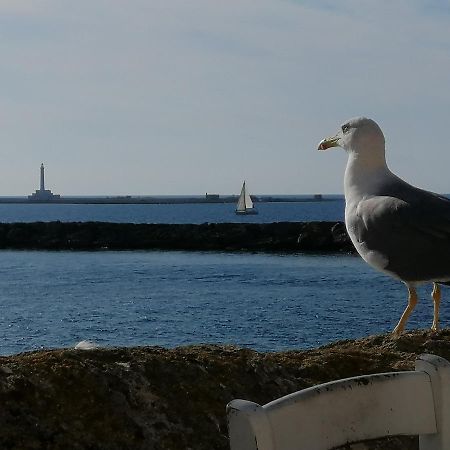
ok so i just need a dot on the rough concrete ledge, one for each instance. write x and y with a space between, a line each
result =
155 398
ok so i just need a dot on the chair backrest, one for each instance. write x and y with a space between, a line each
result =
349 410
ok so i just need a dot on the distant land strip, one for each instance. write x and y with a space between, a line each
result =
271 237
171 200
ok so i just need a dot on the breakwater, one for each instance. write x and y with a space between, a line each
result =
161 200
281 236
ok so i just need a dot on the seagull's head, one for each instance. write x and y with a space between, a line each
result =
359 135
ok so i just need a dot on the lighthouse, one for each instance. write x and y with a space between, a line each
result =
42 194
42 178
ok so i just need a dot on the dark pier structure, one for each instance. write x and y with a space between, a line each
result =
271 237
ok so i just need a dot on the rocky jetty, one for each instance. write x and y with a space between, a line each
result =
282 236
155 398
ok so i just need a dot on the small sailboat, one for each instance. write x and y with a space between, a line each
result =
245 203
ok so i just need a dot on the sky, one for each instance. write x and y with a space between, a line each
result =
155 97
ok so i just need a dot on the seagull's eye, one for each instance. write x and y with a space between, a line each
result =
345 128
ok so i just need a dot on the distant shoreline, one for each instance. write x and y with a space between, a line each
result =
172 200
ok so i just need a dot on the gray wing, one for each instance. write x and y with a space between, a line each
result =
410 228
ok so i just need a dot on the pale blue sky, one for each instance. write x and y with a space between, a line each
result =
183 97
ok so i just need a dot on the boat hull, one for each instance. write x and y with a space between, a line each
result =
247 212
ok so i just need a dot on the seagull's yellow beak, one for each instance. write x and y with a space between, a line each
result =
326 143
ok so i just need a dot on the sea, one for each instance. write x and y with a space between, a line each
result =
264 301
331 208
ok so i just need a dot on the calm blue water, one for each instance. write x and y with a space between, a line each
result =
266 302
184 213
263 301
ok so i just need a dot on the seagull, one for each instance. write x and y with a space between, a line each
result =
397 228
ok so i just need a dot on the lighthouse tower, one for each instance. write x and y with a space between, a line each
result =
42 194
42 178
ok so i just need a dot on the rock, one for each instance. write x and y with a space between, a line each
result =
5 370
150 397
282 236
85 345
341 238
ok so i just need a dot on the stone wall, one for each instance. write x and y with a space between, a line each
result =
161 399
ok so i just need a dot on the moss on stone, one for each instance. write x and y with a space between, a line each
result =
155 398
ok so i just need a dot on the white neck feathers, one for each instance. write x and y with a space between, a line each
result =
364 173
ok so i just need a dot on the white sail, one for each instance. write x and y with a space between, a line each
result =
248 200
241 206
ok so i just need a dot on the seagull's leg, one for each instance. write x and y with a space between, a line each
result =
412 302
436 296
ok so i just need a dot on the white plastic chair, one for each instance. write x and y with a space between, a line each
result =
350 410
